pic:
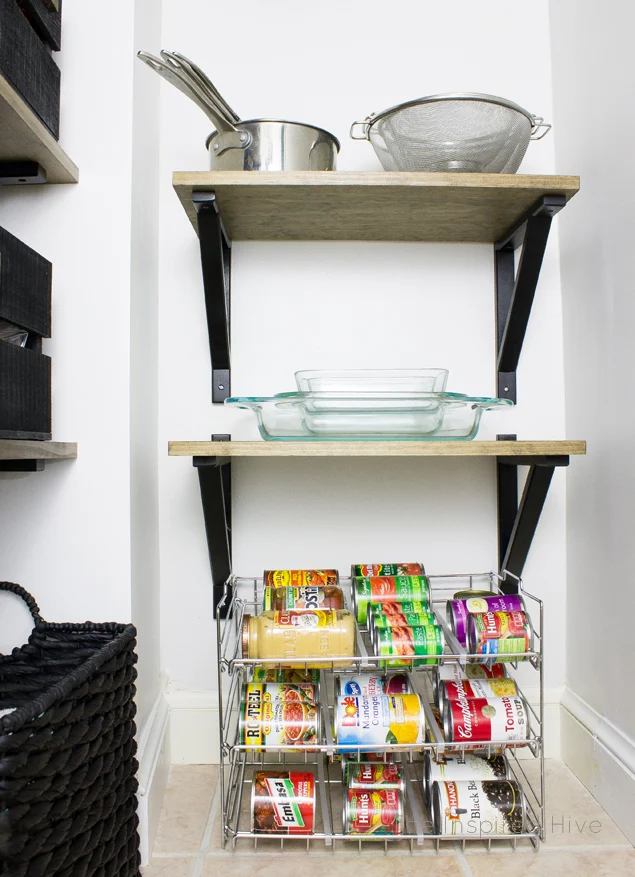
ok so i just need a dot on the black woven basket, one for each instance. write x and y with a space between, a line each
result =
67 751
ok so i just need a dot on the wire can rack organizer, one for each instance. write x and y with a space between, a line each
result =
240 762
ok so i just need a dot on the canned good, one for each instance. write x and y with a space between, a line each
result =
350 758
276 691
503 634
478 808
365 723
270 721
502 719
408 619
458 610
461 766
387 589
407 643
475 688
280 578
283 802
454 672
471 592
303 599
364 570
372 811
374 776
272 674
366 684
398 608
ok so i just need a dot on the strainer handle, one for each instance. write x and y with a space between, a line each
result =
538 123
365 129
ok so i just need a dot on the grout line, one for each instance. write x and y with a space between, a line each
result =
464 865
207 834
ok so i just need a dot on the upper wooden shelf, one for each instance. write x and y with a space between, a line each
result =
15 449
24 137
326 205
375 449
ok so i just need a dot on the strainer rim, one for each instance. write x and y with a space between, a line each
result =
456 95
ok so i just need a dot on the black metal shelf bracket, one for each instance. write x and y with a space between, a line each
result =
22 465
515 290
216 265
214 477
517 522
20 173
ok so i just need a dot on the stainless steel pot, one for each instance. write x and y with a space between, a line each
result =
272 145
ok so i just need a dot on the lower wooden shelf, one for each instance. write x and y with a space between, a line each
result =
14 449
377 449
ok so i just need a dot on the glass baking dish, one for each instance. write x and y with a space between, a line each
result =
375 380
428 417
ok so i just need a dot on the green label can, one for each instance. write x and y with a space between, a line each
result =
408 619
406 644
387 589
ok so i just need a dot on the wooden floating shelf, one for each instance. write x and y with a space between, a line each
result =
377 449
24 137
326 205
15 449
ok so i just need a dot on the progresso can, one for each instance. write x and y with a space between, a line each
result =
370 723
499 636
407 619
478 808
283 802
372 812
475 688
461 766
454 672
418 606
266 720
458 611
387 589
282 578
375 776
272 674
364 570
476 722
366 684
407 645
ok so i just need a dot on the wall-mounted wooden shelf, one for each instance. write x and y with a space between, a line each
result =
377 449
29 456
323 205
23 137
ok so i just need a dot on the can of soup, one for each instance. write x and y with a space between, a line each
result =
273 674
387 589
474 722
366 684
460 766
478 808
370 723
374 776
475 688
372 812
459 610
358 758
405 606
407 644
454 672
503 635
365 570
283 802
408 619
266 720
281 578
277 691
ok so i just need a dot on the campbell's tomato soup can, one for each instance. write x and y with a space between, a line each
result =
499 636
474 722
372 812
460 766
365 570
366 684
408 645
459 610
374 776
283 802
454 672
387 589
272 674
478 808
475 688
284 578
266 719
367 723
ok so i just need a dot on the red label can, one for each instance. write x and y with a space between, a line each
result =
295 578
375 776
503 719
283 802
373 811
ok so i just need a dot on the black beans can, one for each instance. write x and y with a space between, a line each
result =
478 808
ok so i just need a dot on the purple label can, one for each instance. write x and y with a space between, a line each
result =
459 610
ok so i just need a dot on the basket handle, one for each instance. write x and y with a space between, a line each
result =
538 123
365 126
19 591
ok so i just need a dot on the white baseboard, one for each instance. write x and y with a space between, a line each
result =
154 768
602 757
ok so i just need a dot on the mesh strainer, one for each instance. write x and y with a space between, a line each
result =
463 132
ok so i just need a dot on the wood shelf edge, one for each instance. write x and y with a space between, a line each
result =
16 449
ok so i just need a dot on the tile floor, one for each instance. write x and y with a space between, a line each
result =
581 840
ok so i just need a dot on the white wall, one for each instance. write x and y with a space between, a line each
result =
298 305
594 78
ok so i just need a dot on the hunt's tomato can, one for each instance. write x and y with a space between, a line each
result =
408 644
375 776
370 723
297 578
283 802
267 720
460 766
475 688
478 808
503 635
387 589
454 672
366 684
474 722
372 812
364 570
458 610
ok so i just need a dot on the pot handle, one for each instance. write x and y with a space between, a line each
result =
365 125
537 124
225 140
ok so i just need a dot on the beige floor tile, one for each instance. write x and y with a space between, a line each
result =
170 867
302 866
558 863
186 808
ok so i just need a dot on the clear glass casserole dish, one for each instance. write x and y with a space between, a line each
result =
375 380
